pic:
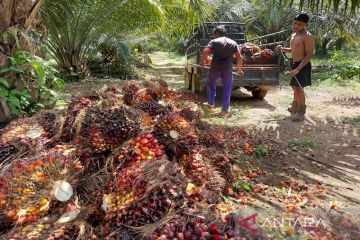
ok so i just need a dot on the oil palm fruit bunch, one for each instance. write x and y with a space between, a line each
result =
163 84
145 147
28 188
153 108
125 190
179 145
75 110
191 112
105 129
51 122
27 131
129 91
202 173
45 228
175 133
144 94
163 190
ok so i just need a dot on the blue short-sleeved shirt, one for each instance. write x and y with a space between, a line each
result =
223 49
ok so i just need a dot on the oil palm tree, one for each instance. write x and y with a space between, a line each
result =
73 30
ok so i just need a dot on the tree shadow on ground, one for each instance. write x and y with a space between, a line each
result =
321 159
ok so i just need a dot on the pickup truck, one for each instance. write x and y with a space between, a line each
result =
257 77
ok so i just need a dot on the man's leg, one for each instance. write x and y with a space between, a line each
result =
227 82
295 104
211 87
301 97
300 113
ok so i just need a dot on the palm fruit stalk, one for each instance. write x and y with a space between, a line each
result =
105 129
211 138
9 151
145 147
163 190
221 161
202 173
31 187
51 122
75 110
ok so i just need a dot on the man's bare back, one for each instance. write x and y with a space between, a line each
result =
298 44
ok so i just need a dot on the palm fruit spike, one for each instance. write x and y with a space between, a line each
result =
10 151
74 110
221 161
29 187
202 173
143 148
105 129
51 122
153 108
163 190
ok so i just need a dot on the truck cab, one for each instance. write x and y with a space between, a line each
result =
258 76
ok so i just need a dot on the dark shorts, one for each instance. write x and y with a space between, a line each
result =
304 76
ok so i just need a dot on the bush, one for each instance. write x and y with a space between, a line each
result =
29 83
113 59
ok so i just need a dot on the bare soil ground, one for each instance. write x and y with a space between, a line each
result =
321 154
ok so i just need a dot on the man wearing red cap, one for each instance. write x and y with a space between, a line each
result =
301 48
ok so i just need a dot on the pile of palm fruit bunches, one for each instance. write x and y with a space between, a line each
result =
121 163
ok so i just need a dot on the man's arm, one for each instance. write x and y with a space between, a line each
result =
309 51
285 49
239 62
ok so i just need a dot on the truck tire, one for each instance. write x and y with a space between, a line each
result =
259 93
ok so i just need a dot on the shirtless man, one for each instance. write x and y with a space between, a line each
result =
301 48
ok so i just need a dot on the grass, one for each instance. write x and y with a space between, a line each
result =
352 120
167 58
303 143
333 70
238 113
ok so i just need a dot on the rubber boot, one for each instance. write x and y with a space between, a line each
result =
300 114
293 108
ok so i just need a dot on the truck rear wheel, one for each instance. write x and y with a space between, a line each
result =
259 93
